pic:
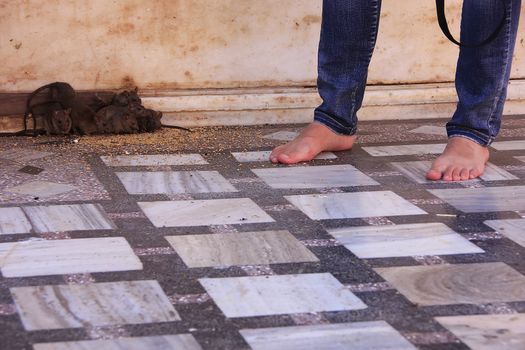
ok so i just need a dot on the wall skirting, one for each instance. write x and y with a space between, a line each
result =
295 105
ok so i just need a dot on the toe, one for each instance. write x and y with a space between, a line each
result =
448 174
456 174
464 174
475 173
436 171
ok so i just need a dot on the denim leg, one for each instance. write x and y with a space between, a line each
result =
483 73
348 36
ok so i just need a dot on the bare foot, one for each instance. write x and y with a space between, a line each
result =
462 159
314 139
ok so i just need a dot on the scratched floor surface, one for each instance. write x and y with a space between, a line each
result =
216 248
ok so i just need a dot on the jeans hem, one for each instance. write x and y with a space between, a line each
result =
335 126
470 134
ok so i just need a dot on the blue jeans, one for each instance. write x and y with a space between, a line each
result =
348 36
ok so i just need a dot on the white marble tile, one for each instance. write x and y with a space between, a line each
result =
264 156
403 240
165 342
487 199
430 130
59 257
416 171
282 135
353 205
521 159
204 212
13 220
513 229
488 332
456 284
277 295
377 335
92 305
23 155
174 182
509 145
75 217
405 150
314 177
41 189
240 248
155 160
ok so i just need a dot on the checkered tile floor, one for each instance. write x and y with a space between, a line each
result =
224 250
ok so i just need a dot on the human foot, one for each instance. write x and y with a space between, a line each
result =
314 139
462 159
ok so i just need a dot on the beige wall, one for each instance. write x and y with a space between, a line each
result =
190 44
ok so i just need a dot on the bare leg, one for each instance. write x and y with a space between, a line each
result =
314 139
462 159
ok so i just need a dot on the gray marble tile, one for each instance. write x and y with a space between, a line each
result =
92 305
457 284
73 217
23 155
353 205
521 159
165 342
430 130
314 177
264 156
404 150
282 135
509 145
155 160
59 257
377 335
241 248
513 229
174 182
403 240
204 212
41 189
487 199
13 220
488 332
417 170
277 295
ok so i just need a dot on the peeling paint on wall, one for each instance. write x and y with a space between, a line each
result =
190 44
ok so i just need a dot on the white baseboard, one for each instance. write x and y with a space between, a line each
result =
284 106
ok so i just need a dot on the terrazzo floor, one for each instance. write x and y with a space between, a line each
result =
208 247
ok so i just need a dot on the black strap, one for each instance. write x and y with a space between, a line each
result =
442 19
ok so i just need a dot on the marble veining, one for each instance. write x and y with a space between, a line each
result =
487 199
41 189
509 145
282 135
174 182
488 332
240 248
403 240
314 177
457 284
282 294
204 212
264 156
405 150
13 220
90 305
376 335
154 160
513 229
75 217
353 205
58 257
165 342
430 130
417 170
